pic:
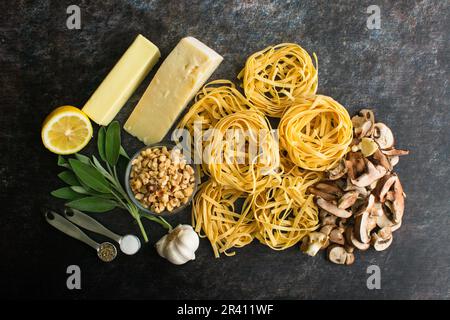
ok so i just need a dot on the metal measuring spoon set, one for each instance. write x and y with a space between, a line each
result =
106 251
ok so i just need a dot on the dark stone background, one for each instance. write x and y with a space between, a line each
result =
402 71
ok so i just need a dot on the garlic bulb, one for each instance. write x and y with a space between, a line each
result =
179 245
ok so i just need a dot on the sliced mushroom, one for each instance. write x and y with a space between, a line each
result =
367 114
385 233
327 219
393 160
361 227
350 237
399 201
390 196
379 243
338 171
337 236
374 173
382 159
326 229
350 258
384 185
383 221
312 243
383 136
395 152
363 124
363 130
396 226
333 209
348 199
322 194
351 187
337 254
329 188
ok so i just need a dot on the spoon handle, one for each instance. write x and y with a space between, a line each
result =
83 220
68 228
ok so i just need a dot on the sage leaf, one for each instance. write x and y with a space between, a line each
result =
69 178
92 204
90 176
62 162
83 158
101 143
124 153
66 193
100 168
112 143
79 189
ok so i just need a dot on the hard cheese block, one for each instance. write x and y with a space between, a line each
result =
122 81
178 79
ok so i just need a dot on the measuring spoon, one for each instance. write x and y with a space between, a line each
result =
106 251
129 244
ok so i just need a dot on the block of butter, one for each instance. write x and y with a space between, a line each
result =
176 82
122 81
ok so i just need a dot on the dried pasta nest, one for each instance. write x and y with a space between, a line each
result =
274 77
315 132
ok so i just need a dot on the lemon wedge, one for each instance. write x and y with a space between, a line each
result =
66 130
368 147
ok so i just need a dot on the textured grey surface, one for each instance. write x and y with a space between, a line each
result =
401 70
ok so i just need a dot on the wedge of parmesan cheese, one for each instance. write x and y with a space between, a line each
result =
176 82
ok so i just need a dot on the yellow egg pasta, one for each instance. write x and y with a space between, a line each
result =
284 213
214 216
231 160
274 77
315 132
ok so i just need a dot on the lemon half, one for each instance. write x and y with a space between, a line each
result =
66 130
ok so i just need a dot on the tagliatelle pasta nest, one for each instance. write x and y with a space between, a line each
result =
214 216
242 152
316 132
274 77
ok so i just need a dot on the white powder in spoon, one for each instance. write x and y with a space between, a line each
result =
130 244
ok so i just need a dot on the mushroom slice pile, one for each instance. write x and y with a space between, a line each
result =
362 202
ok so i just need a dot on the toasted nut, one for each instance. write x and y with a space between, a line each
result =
161 179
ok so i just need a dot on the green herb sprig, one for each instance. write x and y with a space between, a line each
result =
95 187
